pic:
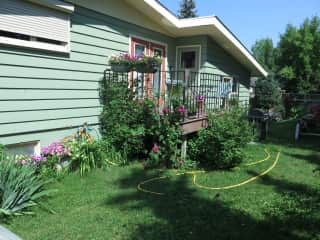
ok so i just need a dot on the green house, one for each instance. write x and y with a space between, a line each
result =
53 55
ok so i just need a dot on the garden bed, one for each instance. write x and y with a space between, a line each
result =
107 205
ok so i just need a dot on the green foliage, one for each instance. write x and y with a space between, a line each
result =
264 51
221 145
20 187
166 137
1 149
267 94
299 57
187 9
85 152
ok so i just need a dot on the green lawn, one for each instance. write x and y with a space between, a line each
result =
285 204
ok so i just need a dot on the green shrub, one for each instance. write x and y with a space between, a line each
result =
122 121
85 152
221 144
1 149
20 187
267 94
164 137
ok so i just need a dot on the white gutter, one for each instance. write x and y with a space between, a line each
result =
55 4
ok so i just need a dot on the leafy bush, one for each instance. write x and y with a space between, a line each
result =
267 93
84 152
122 121
221 144
20 187
1 149
164 138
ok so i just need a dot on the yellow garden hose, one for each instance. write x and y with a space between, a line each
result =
239 184
260 161
195 173
148 181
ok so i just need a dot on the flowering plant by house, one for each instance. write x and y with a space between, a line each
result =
147 60
30 159
125 59
200 98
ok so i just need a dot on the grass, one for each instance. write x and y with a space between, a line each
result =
285 204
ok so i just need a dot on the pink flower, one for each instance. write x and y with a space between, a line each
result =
17 161
24 162
155 148
165 109
181 110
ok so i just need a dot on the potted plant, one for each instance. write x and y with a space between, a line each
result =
121 63
146 64
200 103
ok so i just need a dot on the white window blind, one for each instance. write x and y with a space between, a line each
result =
34 20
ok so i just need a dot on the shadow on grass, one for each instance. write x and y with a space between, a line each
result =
185 213
298 209
313 158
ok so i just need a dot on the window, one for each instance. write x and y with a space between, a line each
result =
35 24
188 59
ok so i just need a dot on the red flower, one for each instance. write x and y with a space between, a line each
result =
155 148
181 110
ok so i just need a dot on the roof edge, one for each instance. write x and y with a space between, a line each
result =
206 21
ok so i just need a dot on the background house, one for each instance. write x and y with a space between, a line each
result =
53 55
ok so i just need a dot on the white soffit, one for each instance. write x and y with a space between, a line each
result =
210 25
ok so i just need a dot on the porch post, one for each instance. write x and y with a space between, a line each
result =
184 147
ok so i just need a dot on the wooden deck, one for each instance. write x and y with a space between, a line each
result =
192 125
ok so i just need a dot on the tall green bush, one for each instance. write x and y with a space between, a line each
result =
221 145
267 94
122 120
1 149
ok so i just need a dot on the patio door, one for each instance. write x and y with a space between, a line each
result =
150 85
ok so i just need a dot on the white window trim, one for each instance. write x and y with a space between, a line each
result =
35 45
189 46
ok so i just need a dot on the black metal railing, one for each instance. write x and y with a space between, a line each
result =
197 92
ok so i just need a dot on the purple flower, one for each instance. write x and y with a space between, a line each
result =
200 98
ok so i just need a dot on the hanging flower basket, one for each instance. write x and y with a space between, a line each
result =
146 64
124 68
146 68
121 63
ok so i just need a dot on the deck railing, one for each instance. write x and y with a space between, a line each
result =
187 87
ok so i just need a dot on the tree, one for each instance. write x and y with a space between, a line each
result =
299 57
267 94
265 53
187 9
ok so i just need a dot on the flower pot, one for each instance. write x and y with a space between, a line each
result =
146 68
121 68
199 105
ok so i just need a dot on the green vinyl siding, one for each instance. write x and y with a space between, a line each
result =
218 61
214 59
44 96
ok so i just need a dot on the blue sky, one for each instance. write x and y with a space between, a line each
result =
250 20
